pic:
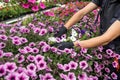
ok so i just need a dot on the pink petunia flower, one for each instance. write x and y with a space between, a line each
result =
42 5
35 8
32 1
83 65
2 70
26 5
10 66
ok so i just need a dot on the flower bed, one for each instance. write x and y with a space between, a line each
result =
26 52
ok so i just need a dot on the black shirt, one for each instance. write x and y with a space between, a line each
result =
110 12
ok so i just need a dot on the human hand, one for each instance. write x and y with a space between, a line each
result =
60 31
64 45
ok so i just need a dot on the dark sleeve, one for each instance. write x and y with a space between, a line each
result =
97 2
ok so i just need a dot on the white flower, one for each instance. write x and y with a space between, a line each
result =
52 39
72 38
63 39
74 33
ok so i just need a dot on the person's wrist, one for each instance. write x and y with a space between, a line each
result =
76 43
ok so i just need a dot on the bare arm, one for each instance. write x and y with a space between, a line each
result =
112 33
76 17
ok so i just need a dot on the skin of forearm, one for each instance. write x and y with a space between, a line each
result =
93 42
74 19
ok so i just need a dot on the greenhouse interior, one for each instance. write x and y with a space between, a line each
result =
59 40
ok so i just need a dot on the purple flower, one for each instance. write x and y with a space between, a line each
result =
32 67
23 40
16 42
41 65
21 70
99 56
12 76
45 48
66 67
2 70
8 54
31 58
84 50
32 44
36 30
3 37
83 65
107 70
1 54
31 25
10 66
66 50
30 73
23 76
53 49
114 76
22 51
42 43
73 65
28 49
82 76
39 58
60 66
63 76
35 50
71 76
115 64
109 51
21 58
100 48
41 24
48 76
2 45
50 29
43 32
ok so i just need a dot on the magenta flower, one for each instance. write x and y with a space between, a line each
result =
23 40
66 68
41 65
49 13
12 76
114 76
99 56
73 65
45 48
31 58
21 70
82 76
42 43
6 1
43 32
32 1
35 50
36 30
2 45
63 76
48 76
8 54
16 42
1 54
60 66
41 24
23 76
51 29
109 51
22 51
53 49
30 73
83 65
35 8
26 5
2 70
42 5
68 51
39 58
115 64
10 66
32 67
32 44
3 37
21 58
107 70
71 76
28 49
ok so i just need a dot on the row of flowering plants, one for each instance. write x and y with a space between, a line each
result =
26 52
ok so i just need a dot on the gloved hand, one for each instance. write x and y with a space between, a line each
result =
64 45
60 31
